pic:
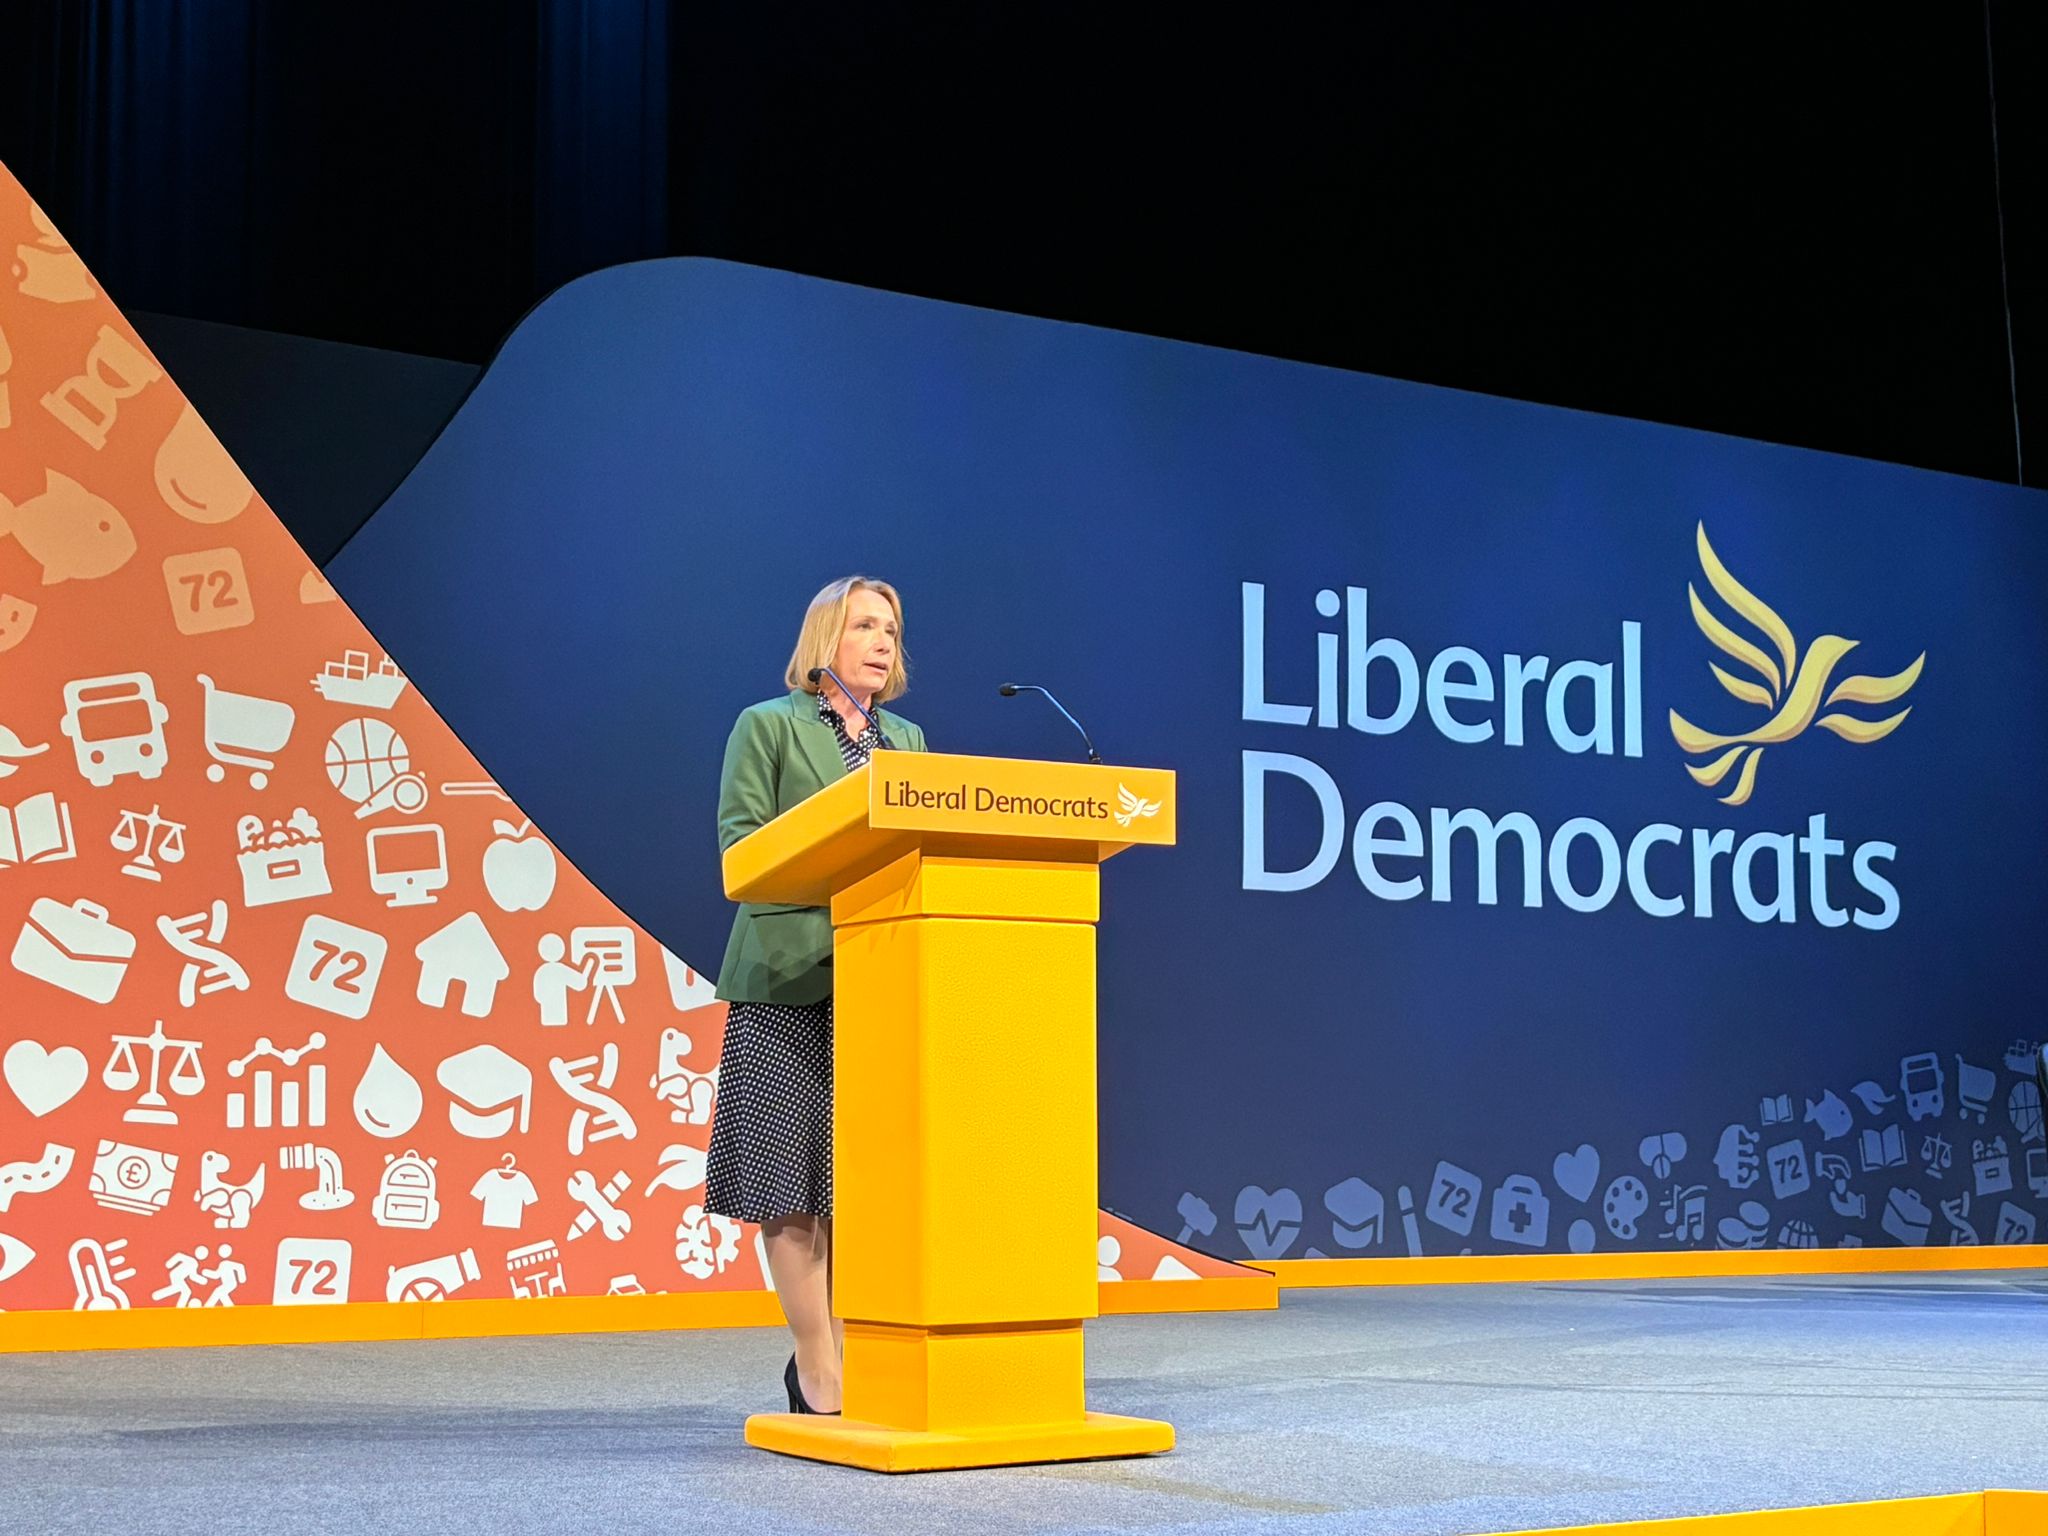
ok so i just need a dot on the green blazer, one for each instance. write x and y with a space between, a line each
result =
780 754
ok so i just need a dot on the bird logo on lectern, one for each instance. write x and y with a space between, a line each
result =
1134 806
1791 688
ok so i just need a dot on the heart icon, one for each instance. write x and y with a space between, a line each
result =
43 1080
1268 1224
1577 1172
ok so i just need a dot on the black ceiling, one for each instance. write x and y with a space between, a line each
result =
1772 220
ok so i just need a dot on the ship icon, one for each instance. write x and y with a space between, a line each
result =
351 681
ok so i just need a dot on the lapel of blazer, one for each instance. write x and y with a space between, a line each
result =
814 738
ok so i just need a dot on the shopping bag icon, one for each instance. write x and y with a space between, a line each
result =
74 947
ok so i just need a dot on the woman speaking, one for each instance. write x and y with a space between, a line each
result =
771 1134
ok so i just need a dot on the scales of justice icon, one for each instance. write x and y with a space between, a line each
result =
121 1074
170 847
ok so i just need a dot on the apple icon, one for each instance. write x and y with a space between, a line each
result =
519 868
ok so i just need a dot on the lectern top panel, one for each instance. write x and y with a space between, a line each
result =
994 807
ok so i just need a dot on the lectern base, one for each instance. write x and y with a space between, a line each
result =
882 1448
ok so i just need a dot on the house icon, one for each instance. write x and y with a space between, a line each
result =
462 952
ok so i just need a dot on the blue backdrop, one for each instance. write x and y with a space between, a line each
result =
606 554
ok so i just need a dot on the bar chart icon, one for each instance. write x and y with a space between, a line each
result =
284 1098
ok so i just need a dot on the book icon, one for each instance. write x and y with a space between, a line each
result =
36 831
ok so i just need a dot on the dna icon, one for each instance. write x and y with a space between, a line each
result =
208 968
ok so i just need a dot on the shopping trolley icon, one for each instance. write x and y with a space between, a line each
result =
1974 1089
241 725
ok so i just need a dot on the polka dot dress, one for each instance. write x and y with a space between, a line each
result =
771 1132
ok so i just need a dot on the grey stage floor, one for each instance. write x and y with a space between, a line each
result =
1454 1410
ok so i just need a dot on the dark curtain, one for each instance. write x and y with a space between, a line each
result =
322 169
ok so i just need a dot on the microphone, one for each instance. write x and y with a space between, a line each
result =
1011 690
816 672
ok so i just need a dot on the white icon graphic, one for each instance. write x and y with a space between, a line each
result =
463 952
1130 807
625 1285
159 837
26 1178
15 1256
406 1194
505 1193
371 765
612 949
351 681
1171 1268
97 1270
706 1242
328 1193
134 1179
50 270
239 728
554 979
289 1104
388 1100
194 475
116 726
44 1079
184 1271
600 1204
687 989
73 534
430 1279
311 1271
285 862
519 868
689 1094
208 967
1975 1088
227 1202
598 1116
1108 1249
408 864
476 787
335 967
682 1169
487 1091
76 947
36 830
12 748
536 1269
122 1074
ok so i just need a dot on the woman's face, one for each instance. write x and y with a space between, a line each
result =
867 645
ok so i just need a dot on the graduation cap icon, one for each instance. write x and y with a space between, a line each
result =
485 1089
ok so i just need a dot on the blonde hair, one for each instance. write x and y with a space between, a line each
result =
817 642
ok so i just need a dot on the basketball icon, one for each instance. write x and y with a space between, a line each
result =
369 763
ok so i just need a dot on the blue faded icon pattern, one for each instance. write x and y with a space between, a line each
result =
1938 1150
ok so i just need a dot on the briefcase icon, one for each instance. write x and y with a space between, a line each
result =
74 947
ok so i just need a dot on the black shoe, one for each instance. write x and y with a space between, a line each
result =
796 1393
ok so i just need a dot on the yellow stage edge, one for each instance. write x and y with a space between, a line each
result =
1683 1264
885 1448
1993 1512
359 1322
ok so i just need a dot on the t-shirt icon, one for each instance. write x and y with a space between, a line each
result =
506 1193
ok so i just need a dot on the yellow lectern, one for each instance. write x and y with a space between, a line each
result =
964 894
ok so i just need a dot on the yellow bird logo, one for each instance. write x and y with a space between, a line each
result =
1791 689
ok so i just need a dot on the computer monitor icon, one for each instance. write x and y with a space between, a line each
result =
408 864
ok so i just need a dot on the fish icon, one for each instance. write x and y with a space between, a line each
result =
71 533
1830 1114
